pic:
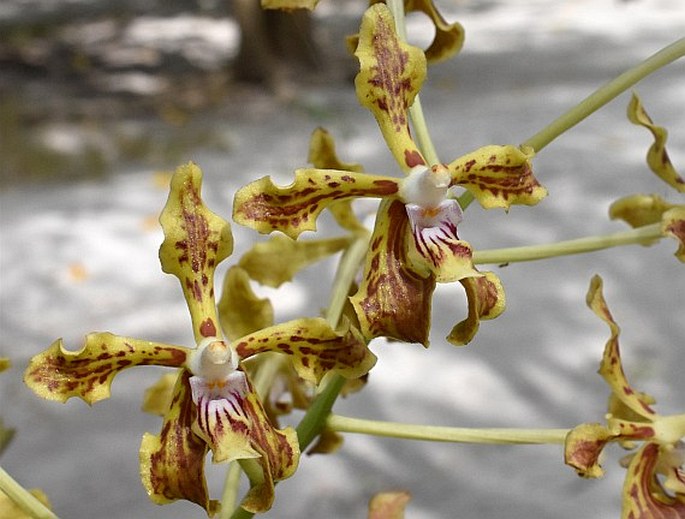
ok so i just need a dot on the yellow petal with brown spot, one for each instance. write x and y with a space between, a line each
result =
486 300
195 241
293 209
390 75
393 300
172 463
498 176
59 374
315 347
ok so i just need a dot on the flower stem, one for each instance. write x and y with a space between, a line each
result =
605 94
641 235
447 434
23 498
229 498
423 138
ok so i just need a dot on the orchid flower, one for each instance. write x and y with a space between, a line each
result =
415 243
213 404
655 482
640 210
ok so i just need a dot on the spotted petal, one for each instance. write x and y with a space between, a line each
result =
195 241
390 75
611 368
393 301
59 374
583 447
498 176
315 347
657 156
438 249
486 300
293 209
231 419
172 464
644 497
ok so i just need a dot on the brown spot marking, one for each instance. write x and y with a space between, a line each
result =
413 158
208 328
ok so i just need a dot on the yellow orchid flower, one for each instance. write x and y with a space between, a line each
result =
213 405
414 244
655 482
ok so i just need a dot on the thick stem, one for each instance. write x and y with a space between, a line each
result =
641 235
605 94
23 498
447 434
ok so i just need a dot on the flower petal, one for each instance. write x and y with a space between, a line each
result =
498 176
315 347
195 241
390 75
231 419
449 37
611 368
157 398
393 301
438 249
486 300
322 155
643 495
639 210
276 261
673 225
172 464
583 447
293 209
388 505
657 156
240 310
59 374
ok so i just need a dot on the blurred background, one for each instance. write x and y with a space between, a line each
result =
100 100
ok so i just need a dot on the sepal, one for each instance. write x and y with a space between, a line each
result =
293 209
486 300
314 347
498 176
657 156
59 374
390 75
172 463
195 241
